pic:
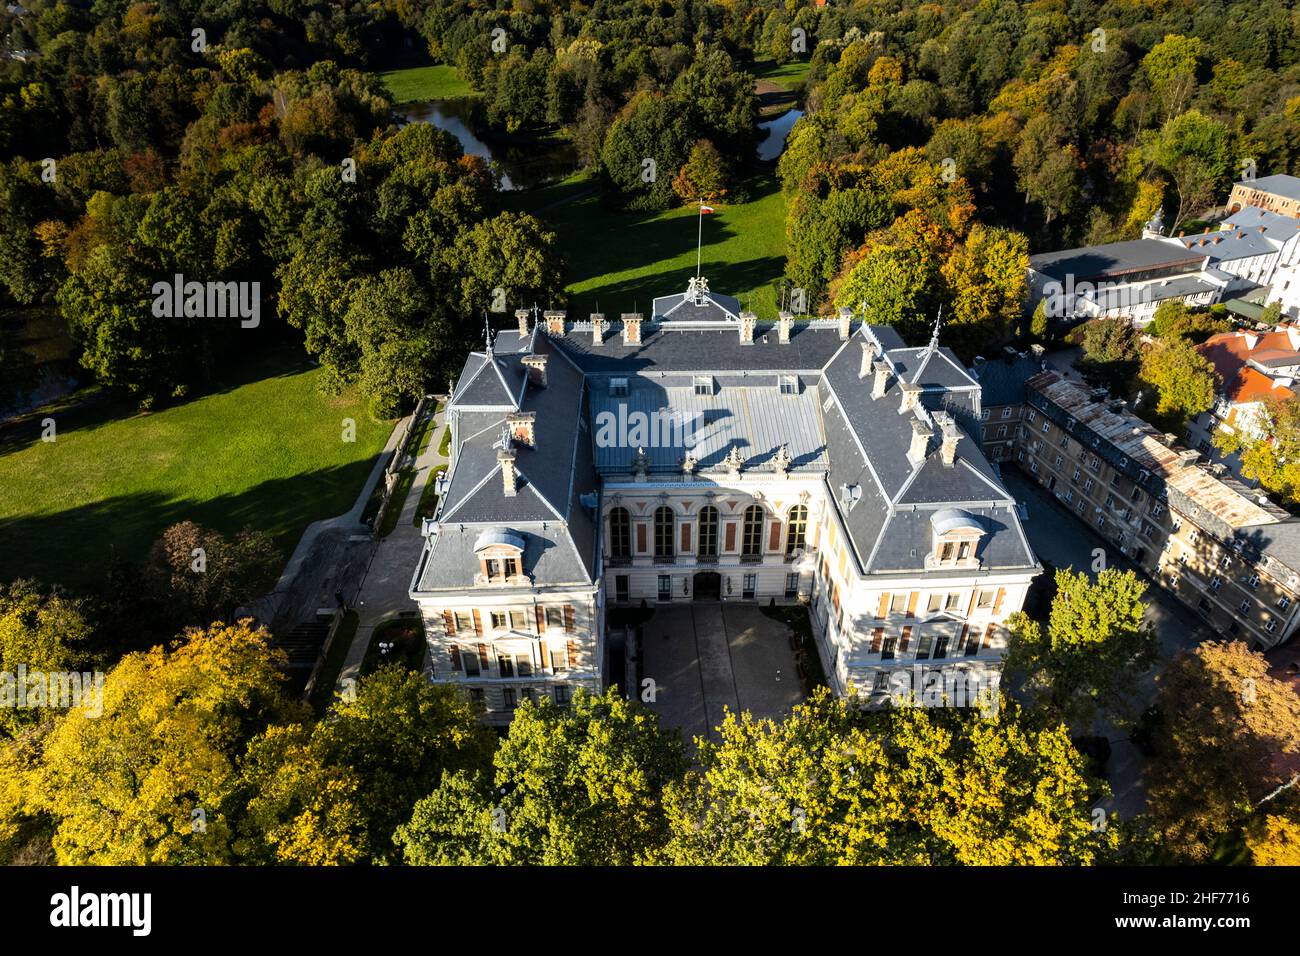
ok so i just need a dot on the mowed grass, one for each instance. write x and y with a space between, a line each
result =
267 452
619 261
788 75
419 83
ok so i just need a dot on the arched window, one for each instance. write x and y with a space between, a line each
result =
751 538
664 532
708 532
796 532
620 533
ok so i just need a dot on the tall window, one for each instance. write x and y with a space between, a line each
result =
620 533
796 529
708 532
664 532
752 533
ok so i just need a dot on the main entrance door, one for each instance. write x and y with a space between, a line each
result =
708 586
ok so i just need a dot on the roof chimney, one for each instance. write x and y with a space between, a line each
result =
948 450
554 322
1188 456
880 383
783 322
911 396
522 316
536 365
747 320
920 441
597 328
845 316
631 328
522 427
509 476
868 357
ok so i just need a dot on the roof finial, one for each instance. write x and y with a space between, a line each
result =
938 324
487 333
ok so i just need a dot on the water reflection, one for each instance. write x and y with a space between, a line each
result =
775 131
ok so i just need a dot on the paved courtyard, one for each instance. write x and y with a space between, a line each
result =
707 658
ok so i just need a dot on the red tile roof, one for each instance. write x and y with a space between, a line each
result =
1229 352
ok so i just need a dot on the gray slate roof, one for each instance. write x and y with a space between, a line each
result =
1279 185
1114 259
1003 379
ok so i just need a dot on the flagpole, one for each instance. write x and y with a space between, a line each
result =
699 239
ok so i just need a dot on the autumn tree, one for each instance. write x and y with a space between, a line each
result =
703 175
1091 654
1274 840
576 785
202 575
40 632
1226 723
836 784
1184 382
1270 451
985 277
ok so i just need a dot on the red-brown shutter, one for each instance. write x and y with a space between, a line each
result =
905 639
731 536
911 604
970 607
478 624
774 537
997 605
883 610
568 617
455 657
541 618
544 654
686 539
449 622
572 649
484 663
988 635
640 539
877 638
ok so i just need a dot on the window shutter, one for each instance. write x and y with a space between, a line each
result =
640 538
483 662
572 648
911 604
454 651
541 618
988 635
997 605
884 605
568 617
731 536
478 624
877 638
774 537
686 539
905 639
543 655
449 622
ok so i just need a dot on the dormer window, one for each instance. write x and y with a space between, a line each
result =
500 555
957 536
703 384
618 387
789 385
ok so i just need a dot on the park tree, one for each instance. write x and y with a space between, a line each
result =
201 575
397 735
151 779
1088 659
1192 150
1225 725
399 333
1112 353
837 784
1274 840
1170 67
1270 453
512 252
576 785
985 277
1184 382
703 176
1173 320
645 143
1048 167
40 632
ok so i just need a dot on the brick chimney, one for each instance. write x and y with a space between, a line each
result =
509 475
597 328
747 320
868 357
783 322
536 365
522 427
881 382
522 316
845 316
951 435
631 328
920 441
554 322
911 396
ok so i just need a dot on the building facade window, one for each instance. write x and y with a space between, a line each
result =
796 532
620 533
751 539
708 540
664 527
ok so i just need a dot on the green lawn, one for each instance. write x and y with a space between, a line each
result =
789 75
420 83
620 261
267 451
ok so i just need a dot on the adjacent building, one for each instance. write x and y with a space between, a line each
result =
699 454
1279 194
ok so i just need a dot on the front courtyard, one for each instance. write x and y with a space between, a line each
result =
707 658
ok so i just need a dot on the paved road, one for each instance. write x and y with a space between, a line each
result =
1057 536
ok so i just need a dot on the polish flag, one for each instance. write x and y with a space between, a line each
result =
706 210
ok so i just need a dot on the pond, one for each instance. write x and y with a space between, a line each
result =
774 132
521 165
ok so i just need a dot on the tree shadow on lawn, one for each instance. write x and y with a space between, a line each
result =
736 278
93 406
77 546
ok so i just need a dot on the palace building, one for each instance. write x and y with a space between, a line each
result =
699 454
